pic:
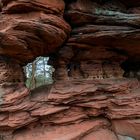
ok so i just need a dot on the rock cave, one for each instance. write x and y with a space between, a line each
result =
94 46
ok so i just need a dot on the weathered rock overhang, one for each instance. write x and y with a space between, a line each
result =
90 93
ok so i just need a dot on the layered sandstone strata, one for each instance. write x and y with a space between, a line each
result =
90 99
31 28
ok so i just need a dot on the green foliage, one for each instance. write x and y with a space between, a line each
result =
38 73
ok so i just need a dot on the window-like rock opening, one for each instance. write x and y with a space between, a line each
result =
38 73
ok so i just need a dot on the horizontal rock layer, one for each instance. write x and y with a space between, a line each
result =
86 105
90 99
108 25
49 6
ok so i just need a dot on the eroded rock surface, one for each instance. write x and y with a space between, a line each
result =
90 98
32 28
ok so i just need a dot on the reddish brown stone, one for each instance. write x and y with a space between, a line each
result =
90 99
32 33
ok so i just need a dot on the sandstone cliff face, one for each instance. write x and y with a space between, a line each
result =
90 98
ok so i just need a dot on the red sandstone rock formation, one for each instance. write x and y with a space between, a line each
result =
32 28
90 99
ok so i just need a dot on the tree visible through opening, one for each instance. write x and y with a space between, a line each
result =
38 73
